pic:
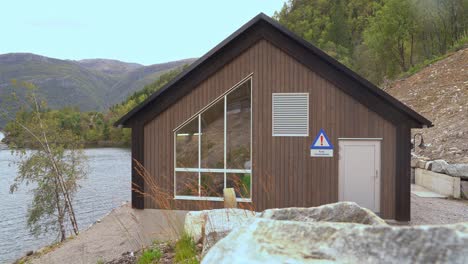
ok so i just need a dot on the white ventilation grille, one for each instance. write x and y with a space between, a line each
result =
291 114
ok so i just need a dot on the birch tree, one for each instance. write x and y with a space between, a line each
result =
53 167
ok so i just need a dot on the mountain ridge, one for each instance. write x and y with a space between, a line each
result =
89 84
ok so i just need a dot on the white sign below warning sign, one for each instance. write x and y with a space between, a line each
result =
321 147
321 152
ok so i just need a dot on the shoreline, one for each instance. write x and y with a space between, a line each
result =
4 144
5 141
33 254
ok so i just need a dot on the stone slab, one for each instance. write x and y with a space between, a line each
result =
438 182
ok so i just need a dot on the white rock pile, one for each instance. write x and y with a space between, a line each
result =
335 233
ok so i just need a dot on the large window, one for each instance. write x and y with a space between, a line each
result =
213 148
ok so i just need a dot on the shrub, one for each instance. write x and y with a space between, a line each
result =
149 256
185 250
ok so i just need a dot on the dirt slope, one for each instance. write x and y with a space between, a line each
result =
440 92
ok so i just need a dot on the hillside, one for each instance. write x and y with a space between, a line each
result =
111 67
440 93
93 84
136 79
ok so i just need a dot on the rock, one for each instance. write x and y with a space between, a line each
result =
126 258
199 246
439 166
211 238
428 165
458 170
265 240
229 198
347 212
29 253
421 164
199 224
194 222
219 224
248 165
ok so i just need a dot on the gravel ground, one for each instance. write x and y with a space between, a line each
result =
434 211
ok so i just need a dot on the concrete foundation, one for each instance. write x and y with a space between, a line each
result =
437 182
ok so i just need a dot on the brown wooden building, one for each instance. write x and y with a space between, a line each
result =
246 115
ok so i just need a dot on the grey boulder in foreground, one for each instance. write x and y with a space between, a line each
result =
335 233
276 241
346 212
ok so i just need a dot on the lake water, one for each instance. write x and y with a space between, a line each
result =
107 186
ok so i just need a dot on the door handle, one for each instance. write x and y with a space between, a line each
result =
376 174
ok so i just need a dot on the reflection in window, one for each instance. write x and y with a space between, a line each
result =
187 145
240 182
238 128
213 150
212 184
212 136
187 183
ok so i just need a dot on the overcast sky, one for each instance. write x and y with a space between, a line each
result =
142 31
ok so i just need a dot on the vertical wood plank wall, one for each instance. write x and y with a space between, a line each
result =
284 174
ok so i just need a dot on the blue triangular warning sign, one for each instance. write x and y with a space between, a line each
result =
321 141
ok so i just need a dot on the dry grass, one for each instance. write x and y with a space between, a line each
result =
163 198
161 195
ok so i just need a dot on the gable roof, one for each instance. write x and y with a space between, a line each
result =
264 27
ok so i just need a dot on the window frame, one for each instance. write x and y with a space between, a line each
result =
224 170
273 116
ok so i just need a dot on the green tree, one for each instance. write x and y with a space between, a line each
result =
54 167
334 26
390 35
106 131
337 30
379 38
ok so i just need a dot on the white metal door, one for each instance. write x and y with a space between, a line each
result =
359 172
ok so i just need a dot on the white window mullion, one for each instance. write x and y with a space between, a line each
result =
251 135
225 138
175 164
199 154
213 170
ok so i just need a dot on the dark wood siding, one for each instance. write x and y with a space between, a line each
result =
403 181
284 174
137 183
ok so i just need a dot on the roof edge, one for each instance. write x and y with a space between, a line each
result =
413 115
341 67
123 121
